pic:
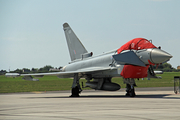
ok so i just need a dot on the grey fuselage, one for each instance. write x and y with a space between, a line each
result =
106 60
92 63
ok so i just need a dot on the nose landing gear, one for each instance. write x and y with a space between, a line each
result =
130 83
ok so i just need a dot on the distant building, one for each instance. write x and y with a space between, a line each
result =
2 72
55 69
26 71
178 67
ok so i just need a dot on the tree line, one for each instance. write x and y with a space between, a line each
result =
44 69
166 67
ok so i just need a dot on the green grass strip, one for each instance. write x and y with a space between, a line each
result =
53 83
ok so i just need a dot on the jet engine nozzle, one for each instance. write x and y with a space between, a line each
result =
159 56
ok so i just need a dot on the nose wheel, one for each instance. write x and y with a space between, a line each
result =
130 91
130 83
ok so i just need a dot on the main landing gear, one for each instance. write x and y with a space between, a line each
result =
130 83
76 89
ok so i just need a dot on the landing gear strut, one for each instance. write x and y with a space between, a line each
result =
76 89
130 83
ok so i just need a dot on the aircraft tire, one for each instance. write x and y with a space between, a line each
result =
132 93
75 92
128 89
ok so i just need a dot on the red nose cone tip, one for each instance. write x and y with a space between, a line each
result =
159 56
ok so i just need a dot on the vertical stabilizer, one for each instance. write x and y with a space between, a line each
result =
76 48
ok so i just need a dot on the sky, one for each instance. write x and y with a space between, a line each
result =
32 36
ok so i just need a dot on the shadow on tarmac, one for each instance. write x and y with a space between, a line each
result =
163 96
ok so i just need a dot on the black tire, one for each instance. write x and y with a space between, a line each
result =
128 89
75 92
132 93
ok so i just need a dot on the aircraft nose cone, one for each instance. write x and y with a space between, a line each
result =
159 56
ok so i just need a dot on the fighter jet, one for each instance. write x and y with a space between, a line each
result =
131 61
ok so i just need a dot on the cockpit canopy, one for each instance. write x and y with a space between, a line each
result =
136 44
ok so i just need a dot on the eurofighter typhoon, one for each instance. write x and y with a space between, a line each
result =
131 61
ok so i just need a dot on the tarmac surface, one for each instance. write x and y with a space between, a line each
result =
149 104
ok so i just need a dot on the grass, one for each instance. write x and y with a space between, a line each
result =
47 83
52 83
166 81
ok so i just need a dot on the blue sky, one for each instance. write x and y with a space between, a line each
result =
31 33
